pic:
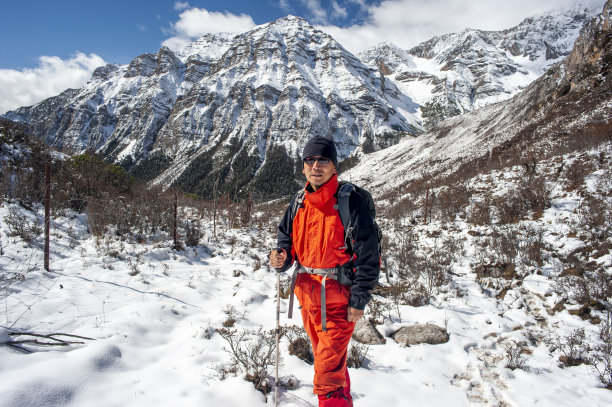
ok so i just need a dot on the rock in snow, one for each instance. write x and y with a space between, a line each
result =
416 334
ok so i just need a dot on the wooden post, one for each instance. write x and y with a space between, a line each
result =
426 203
175 218
47 200
215 208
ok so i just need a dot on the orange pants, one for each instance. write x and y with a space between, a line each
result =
329 348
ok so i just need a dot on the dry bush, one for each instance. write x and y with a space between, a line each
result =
420 270
357 355
19 225
576 173
299 343
574 348
516 355
522 245
592 288
252 351
232 316
451 201
532 196
480 213
406 206
596 216
192 232
404 247
601 359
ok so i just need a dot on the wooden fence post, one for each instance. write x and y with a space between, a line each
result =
47 201
175 218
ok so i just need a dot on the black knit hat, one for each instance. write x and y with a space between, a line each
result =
322 147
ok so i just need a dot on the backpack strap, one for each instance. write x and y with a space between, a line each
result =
297 202
344 194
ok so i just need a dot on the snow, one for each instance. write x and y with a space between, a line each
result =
152 313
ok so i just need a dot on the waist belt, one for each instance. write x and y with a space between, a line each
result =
334 273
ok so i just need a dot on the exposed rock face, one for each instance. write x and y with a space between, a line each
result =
473 68
416 334
365 332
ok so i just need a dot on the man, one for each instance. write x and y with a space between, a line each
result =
333 285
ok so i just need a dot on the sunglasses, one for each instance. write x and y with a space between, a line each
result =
321 160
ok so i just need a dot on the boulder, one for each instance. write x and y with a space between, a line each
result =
365 332
415 334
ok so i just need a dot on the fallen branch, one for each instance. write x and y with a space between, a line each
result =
47 340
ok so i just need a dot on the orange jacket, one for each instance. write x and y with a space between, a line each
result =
318 234
314 236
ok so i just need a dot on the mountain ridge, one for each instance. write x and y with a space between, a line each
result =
566 108
237 116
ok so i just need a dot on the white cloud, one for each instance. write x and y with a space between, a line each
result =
284 5
319 15
339 11
181 5
52 76
407 23
195 22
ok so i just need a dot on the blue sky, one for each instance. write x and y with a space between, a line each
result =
49 46
119 30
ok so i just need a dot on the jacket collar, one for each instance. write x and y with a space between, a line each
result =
324 193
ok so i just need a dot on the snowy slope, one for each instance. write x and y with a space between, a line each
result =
152 312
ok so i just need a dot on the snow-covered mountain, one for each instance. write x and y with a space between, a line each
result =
235 110
459 72
568 108
230 109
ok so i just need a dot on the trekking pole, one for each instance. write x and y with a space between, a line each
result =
277 336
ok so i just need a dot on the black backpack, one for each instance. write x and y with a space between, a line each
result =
344 192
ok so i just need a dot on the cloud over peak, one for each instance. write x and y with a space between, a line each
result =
195 22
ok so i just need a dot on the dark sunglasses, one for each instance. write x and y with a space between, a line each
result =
321 160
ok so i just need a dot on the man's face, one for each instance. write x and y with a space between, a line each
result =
318 173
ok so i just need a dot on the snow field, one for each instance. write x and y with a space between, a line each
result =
153 313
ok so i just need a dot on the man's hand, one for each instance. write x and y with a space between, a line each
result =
354 315
277 258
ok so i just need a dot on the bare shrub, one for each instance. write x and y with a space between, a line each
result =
451 201
596 216
574 348
357 355
252 351
601 359
20 226
192 232
536 194
232 316
510 209
576 173
376 308
434 268
532 195
299 343
404 246
523 244
585 286
480 213
516 355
